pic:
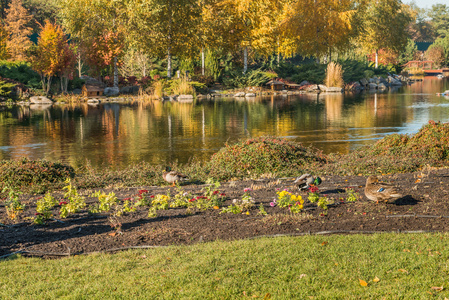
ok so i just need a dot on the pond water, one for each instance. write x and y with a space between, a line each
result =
161 132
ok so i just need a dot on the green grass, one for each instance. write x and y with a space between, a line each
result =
322 267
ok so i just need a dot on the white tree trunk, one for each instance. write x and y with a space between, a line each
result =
202 61
169 63
115 72
80 65
245 60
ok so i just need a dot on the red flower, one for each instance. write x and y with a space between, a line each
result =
192 200
126 199
223 195
152 196
62 202
143 191
313 189
215 192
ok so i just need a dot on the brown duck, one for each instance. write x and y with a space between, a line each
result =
173 176
380 191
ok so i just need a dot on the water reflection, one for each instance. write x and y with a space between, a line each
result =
158 132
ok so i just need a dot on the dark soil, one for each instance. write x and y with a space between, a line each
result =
425 207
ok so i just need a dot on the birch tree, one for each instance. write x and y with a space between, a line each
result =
383 26
165 27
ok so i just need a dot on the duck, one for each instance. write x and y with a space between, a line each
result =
306 180
173 176
381 191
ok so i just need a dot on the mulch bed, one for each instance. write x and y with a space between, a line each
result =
424 207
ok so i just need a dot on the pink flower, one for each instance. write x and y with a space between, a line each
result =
247 190
273 204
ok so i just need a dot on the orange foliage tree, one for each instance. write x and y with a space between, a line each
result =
16 24
53 56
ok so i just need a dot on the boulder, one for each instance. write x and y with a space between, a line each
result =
334 90
313 88
305 82
394 82
240 94
322 87
354 86
111 91
372 86
40 100
364 82
381 86
185 97
250 95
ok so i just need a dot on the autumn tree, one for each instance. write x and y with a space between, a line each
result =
317 27
52 56
3 42
384 25
96 24
420 29
17 25
254 23
165 27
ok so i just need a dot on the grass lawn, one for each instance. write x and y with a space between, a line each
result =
392 266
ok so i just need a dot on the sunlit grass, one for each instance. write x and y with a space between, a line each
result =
322 267
334 75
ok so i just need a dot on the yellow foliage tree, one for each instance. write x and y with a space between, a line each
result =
383 25
316 27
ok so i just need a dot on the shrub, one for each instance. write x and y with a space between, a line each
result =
263 155
397 153
33 176
21 72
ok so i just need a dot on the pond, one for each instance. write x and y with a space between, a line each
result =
163 132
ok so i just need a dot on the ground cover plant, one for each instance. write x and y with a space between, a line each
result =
390 266
397 153
33 176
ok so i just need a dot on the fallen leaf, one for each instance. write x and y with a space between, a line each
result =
112 233
437 288
216 207
406 250
267 296
302 276
323 243
403 271
255 296
418 181
363 282
376 279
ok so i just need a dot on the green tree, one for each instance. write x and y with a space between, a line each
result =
383 26
439 15
409 52
420 29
